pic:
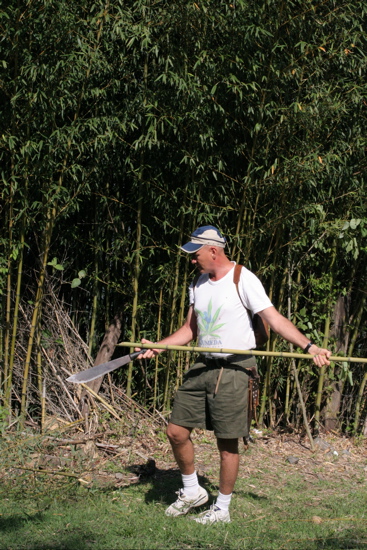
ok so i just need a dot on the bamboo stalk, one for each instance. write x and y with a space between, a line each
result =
292 364
6 381
322 373
287 406
356 327
302 404
295 371
135 284
266 386
197 349
359 402
266 394
159 321
41 383
1 360
9 384
250 228
92 328
9 381
357 322
33 330
174 298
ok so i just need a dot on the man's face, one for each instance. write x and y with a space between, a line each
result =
202 259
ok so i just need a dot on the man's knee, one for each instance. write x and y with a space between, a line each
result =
177 434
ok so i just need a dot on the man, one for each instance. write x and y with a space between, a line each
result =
213 397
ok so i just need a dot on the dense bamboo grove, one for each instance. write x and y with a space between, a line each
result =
124 125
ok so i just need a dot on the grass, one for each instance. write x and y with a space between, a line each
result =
316 504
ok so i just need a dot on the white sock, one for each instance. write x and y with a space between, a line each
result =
223 501
190 484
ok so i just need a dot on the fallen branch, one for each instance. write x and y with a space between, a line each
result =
51 472
104 403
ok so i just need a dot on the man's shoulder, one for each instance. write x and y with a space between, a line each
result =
245 271
248 278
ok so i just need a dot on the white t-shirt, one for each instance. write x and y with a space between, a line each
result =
222 320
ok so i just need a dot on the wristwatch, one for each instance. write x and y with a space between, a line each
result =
308 347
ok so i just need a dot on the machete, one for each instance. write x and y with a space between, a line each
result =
99 370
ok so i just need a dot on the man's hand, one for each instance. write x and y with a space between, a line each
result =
148 353
320 355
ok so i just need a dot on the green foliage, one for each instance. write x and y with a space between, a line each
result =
250 116
54 263
78 280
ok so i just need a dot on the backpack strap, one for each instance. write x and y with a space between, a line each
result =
237 274
236 280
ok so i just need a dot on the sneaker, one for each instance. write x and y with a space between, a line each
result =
213 515
184 504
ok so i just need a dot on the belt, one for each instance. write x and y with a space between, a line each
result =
222 361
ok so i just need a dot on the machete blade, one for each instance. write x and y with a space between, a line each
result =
99 370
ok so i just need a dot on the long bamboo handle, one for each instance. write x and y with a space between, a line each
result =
197 349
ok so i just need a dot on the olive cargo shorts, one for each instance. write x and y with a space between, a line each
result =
226 413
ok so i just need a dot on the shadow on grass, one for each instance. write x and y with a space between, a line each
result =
351 541
14 523
165 483
78 539
355 541
249 494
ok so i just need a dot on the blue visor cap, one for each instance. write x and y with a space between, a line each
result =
208 234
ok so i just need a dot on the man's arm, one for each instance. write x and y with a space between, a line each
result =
181 337
282 326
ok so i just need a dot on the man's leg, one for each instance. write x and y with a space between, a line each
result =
192 494
229 463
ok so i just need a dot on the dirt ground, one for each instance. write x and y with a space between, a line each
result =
133 458
116 455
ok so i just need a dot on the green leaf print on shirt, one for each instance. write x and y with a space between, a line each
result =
206 321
